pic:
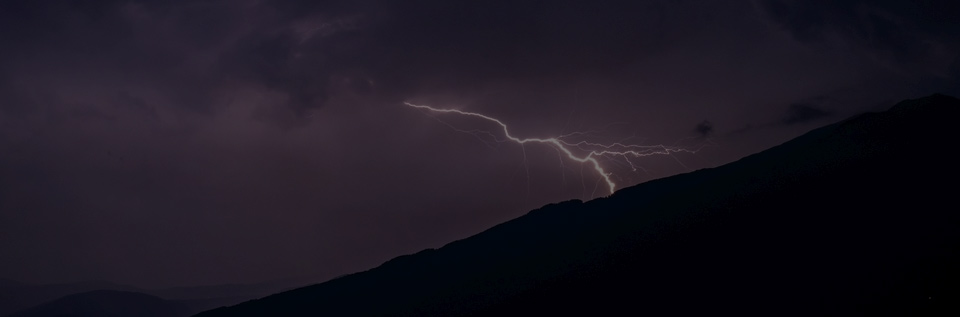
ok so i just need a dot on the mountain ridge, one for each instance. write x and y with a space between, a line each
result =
108 303
18 297
679 243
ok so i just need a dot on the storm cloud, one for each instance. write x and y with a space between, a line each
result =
704 128
803 113
137 136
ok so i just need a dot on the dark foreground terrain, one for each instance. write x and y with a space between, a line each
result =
858 217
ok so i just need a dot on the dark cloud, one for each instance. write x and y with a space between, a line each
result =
704 128
398 50
13 101
904 31
273 61
803 113
303 50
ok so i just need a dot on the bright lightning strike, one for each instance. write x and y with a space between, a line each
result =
560 143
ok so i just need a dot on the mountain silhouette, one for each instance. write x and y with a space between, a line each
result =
857 217
108 303
53 299
16 296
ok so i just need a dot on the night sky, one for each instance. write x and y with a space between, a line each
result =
162 143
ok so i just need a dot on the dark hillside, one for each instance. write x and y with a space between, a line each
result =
857 217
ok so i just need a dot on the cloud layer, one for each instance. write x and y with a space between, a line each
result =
177 142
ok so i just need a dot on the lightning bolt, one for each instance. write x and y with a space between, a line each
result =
560 143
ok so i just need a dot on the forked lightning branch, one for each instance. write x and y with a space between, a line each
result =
592 150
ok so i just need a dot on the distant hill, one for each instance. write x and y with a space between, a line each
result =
18 297
858 217
108 303
5 283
